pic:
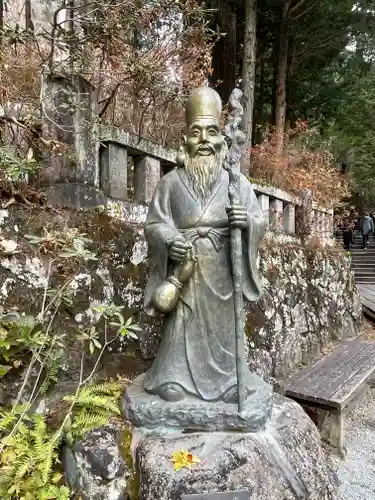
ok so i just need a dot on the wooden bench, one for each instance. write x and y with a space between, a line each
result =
329 388
367 294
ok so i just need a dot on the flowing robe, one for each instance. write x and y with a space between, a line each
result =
198 347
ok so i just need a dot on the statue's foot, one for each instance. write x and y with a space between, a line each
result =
172 392
231 395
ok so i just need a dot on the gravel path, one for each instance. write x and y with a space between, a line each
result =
357 470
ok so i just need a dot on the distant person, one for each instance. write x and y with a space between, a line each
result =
366 226
348 234
356 220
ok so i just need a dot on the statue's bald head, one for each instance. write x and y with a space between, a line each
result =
205 103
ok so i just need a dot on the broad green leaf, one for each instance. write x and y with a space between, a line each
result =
4 369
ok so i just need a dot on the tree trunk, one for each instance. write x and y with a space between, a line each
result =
290 93
224 52
286 133
28 21
248 75
275 60
1 21
282 69
258 115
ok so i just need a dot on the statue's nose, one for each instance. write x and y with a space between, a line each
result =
204 135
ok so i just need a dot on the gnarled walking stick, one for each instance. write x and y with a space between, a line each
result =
232 165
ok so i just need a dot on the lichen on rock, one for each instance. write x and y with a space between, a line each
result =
285 461
310 300
95 468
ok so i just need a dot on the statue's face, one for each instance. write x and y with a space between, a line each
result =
203 138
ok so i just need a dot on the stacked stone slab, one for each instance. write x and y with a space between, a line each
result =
283 461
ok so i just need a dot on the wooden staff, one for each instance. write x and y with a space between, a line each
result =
232 165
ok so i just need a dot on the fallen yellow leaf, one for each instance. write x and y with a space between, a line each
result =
182 459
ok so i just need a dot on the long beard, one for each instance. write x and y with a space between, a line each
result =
203 171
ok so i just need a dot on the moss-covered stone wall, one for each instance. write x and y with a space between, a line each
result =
311 301
310 295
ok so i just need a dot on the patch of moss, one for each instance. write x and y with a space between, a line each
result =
249 330
133 484
259 182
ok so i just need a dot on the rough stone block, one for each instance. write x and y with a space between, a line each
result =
284 462
264 203
73 195
95 468
276 215
69 118
114 171
290 218
147 173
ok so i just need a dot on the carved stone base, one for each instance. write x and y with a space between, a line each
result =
285 461
192 414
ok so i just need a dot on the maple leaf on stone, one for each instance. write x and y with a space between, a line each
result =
183 459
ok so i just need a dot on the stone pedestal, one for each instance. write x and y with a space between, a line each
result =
286 461
192 414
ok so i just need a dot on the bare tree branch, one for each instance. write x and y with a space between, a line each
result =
306 11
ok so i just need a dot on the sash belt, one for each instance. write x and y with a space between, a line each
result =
215 235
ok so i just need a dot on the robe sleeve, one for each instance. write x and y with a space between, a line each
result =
251 238
160 230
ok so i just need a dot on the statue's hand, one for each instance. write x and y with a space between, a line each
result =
237 216
178 249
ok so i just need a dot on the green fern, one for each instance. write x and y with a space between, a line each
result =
29 452
51 376
28 456
7 419
84 422
93 407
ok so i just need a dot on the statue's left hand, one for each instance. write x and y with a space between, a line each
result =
237 216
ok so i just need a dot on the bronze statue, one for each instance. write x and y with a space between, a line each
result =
203 229
187 230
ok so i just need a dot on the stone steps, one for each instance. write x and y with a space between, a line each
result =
363 260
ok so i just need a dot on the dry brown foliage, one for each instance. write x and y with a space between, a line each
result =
300 168
142 57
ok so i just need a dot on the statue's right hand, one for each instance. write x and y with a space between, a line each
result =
178 249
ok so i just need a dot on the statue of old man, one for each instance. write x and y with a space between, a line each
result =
188 233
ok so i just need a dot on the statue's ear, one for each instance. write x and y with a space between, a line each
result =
184 139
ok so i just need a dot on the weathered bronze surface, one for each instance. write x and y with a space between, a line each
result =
203 230
191 211
167 294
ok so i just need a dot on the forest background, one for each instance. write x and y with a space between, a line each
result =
306 68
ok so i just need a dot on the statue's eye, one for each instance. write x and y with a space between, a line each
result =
195 133
213 131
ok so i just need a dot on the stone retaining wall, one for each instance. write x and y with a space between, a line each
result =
310 298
